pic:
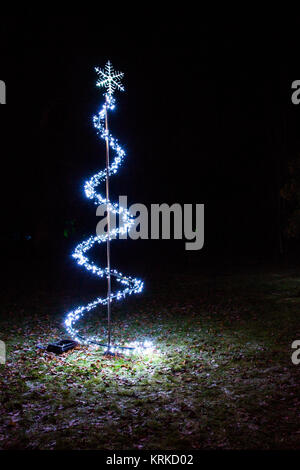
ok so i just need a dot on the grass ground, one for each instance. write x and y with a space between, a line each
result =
221 376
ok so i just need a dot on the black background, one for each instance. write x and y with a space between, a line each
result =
206 118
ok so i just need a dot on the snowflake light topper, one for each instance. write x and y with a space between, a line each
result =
110 79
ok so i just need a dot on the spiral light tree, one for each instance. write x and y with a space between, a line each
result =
111 81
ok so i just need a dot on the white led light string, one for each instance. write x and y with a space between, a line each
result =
111 81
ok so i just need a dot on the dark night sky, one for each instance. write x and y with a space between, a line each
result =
206 118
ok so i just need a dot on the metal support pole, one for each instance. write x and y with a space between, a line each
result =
108 233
